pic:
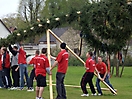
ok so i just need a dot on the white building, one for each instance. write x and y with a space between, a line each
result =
4 31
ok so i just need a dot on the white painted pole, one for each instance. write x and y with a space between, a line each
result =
48 55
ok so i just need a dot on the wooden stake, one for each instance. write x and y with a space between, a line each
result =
74 86
48 54
80 60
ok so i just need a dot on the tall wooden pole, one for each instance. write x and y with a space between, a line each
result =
80 59
48 55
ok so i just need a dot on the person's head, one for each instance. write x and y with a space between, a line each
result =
89 54
15 48
37 52
3 50
44 50
99 59
63 45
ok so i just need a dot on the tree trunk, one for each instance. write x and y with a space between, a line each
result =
124 60
117 68
80 50
114 64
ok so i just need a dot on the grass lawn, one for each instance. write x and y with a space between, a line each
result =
73 77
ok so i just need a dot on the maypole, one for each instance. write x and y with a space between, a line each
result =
48 55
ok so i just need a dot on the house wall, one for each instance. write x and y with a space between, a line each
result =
72 39
3 31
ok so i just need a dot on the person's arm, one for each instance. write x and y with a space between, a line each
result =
104 76
86 65
52 57
12 51
4 58
105 70
97 72
17 68
55 63
48 71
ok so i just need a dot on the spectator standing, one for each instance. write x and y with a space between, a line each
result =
22 67
6 67
14 65
32 74
1 71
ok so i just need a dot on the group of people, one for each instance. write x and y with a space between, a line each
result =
100 69
16 64
41 67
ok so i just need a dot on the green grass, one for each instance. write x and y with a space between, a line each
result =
73 77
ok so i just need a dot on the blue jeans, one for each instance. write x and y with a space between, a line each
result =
60 86
23 71
98 83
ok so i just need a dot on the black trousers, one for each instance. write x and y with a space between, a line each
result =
61 92
15 76
7 77
87 78
32 76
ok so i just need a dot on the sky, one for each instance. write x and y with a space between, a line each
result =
8 7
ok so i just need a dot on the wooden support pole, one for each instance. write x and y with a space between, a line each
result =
66 46
80 60
48 55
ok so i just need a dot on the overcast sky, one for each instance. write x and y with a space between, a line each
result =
8 7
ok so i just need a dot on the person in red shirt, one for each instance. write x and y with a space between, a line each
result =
88 75
22 67
62 61
6 67
32 74
1 73
41 67
102 72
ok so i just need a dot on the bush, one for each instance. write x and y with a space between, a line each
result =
128 61
73 61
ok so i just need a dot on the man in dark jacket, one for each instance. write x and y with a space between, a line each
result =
14 65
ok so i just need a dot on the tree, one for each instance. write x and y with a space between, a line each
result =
14 20
108 25
30 9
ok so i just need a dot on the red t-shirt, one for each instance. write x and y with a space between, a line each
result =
32 61
62 59
41 63
90 65
7 60
101 67
0 62
22 57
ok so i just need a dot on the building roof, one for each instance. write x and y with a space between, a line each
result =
5 26
57 31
